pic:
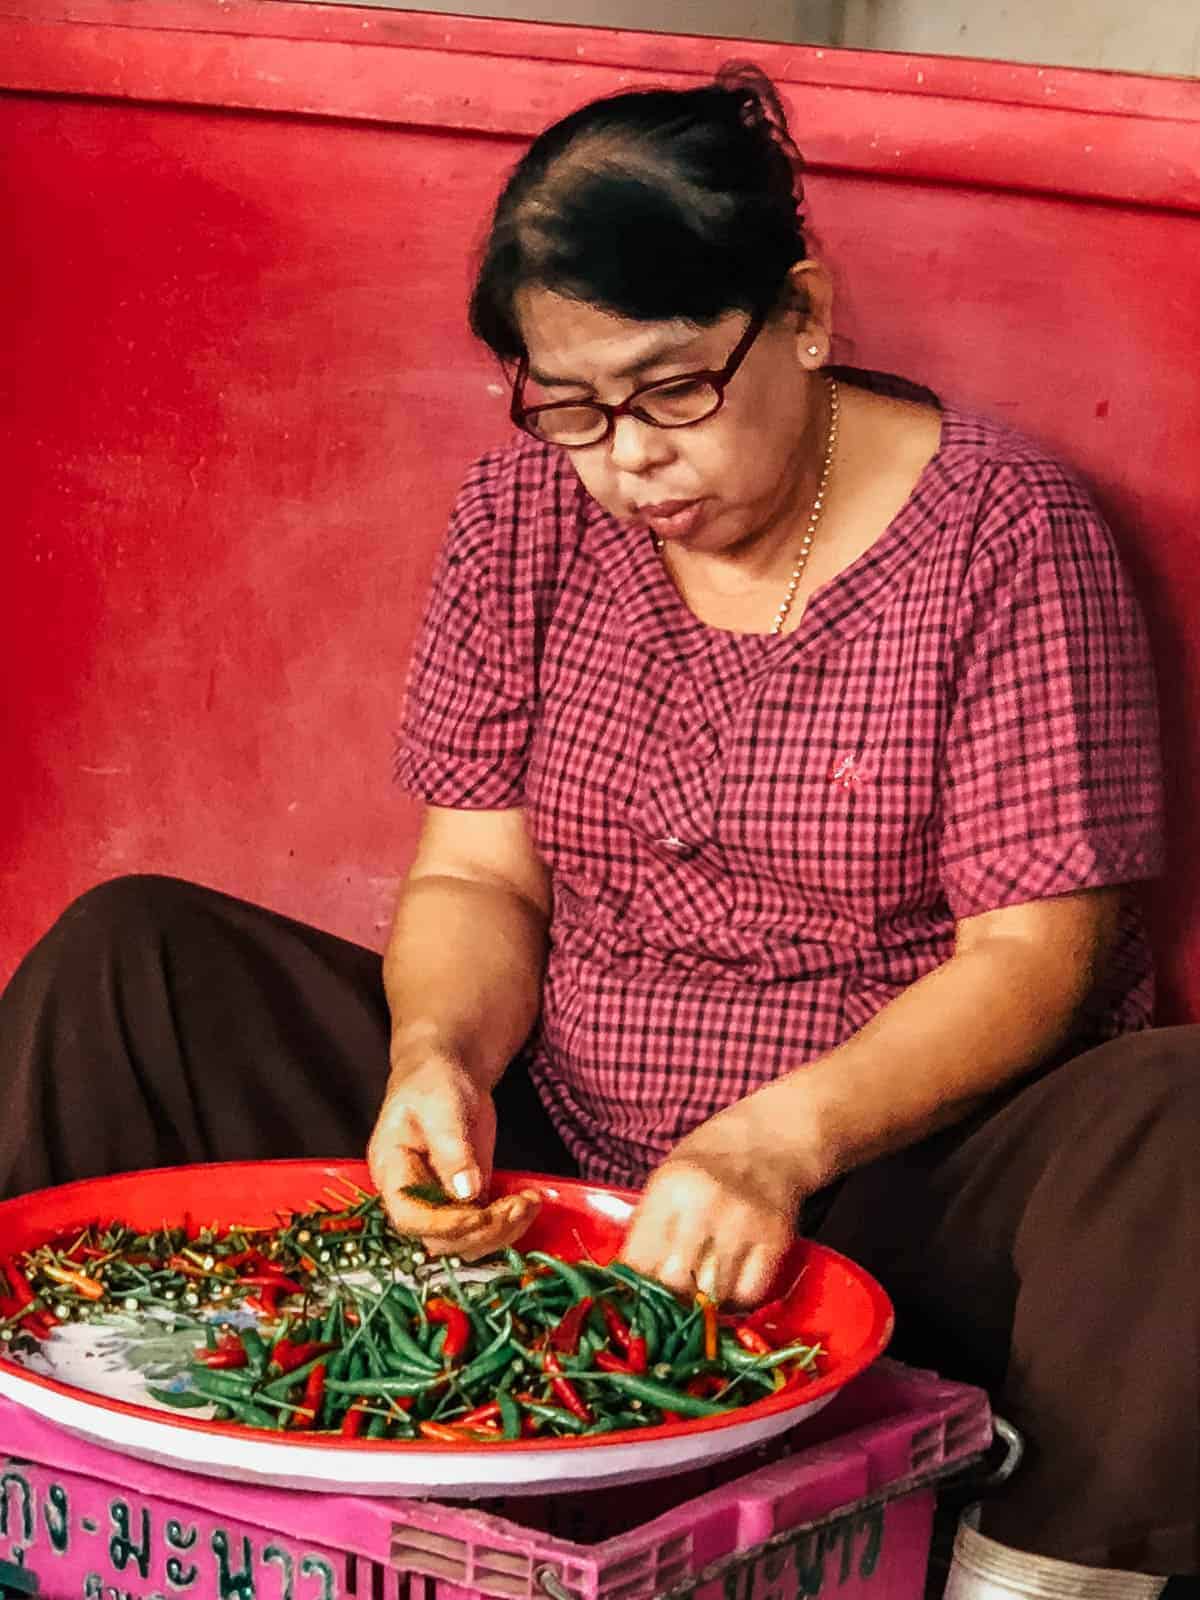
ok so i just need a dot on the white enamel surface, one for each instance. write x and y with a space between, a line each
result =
470 1473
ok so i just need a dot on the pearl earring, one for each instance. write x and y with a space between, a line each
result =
814 349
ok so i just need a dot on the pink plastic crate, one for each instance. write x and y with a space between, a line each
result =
88 1522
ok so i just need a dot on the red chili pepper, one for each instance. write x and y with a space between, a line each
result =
89 1288
262 1270
190 1269
41 1324
22 1301
21 1290
607 1362
529 1424
711 1329
341 1224
622 1334
619 1330
288 1355
481 1415
478 1430
310 1403
639 1355
449 1433
456 1323
230 1352
750 1339
221 1360
705 1384
265 1303
279 1282
354 1421
564 1390
564 1337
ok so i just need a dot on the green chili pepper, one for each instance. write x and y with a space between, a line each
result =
339 1361
257 1350
377 1425
181 1399
663 1296
390 1385
491 1359
684 1371
254 1416
661 1395
687 1340
645 1325
376 1364
401 1425
402 1341
559 1415
408 1301
742 1360
431 1194
221 1385
510 1414
571 1276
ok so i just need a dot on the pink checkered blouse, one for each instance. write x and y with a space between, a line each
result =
757 842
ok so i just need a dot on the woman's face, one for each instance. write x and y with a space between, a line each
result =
717 486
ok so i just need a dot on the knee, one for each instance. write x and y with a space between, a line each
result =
121 910
1148 1081
1123 1167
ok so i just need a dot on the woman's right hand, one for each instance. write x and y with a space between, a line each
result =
437 1127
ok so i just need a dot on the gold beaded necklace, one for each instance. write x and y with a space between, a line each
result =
814 516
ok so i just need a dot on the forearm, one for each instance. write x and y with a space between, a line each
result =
463 972
985 1018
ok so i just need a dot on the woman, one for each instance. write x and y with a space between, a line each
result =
788 745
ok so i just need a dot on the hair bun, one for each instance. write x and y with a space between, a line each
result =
654 204
760 103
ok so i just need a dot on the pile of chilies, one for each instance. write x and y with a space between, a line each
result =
542 1348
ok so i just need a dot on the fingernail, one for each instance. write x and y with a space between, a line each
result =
462 1185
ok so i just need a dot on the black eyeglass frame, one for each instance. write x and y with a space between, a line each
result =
718 378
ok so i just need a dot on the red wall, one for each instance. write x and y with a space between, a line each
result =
242 391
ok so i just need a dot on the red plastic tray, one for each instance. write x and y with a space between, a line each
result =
829 1299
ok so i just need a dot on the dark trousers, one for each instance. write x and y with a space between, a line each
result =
1048 1249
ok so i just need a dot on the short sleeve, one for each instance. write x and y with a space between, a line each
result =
1052 779
466 724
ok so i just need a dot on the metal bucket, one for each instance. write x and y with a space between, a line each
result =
985 1570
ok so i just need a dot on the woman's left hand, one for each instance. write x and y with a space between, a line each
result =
718 1215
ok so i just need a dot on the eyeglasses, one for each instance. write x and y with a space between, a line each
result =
671 403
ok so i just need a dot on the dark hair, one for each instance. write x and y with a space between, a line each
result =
657 204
